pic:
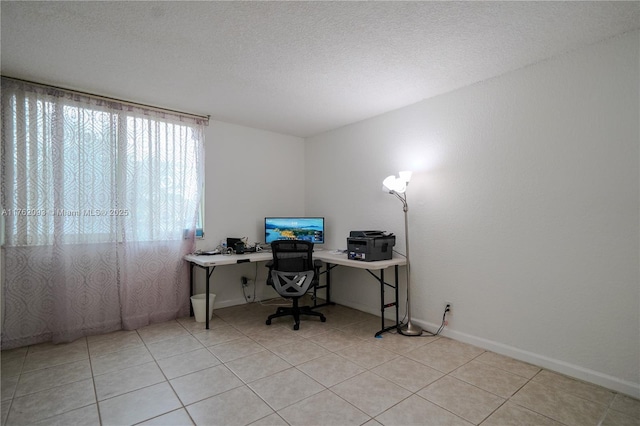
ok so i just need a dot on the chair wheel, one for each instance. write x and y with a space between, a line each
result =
296 326
323 319
268 322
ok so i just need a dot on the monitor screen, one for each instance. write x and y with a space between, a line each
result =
294 228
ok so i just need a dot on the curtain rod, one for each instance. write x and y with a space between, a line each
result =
107 98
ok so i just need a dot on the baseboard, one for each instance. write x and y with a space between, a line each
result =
219 304
571 370
227 303
562 367
389 314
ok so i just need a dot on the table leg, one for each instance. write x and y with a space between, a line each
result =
384 305
382 299
206 312
190 288
328 285
397 294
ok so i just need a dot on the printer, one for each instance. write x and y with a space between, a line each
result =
369 246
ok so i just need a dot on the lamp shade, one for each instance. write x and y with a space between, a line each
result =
389 183
406 175
394 184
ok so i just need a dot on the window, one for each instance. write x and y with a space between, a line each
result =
78 169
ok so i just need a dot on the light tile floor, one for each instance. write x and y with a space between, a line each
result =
243 372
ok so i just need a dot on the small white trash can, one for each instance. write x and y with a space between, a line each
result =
199 303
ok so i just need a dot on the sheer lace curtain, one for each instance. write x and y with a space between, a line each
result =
99 204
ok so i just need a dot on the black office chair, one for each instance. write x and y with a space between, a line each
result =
292 272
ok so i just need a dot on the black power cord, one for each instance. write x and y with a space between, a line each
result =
444 314
424 332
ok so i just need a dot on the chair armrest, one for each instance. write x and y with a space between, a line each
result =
269 265
317 264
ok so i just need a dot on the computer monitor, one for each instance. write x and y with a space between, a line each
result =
294 228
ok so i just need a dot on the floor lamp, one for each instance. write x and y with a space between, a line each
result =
398 187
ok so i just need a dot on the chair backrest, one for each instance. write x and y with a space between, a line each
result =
292 255
292 284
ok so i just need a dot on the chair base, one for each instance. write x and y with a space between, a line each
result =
295 311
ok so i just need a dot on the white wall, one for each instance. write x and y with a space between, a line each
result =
249 174
524 210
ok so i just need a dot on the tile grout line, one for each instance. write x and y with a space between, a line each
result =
296 368
93 380
13 396
366 370
166 379
53 387
455 378
507 400
354 340
247 384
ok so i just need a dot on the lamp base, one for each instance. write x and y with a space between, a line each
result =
410 330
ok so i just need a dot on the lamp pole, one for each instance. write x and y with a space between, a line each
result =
409 329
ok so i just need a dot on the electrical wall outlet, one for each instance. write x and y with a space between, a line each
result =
448 307
244 281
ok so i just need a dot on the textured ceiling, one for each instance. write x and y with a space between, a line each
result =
299 68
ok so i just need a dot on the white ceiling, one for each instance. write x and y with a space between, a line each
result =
298 68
